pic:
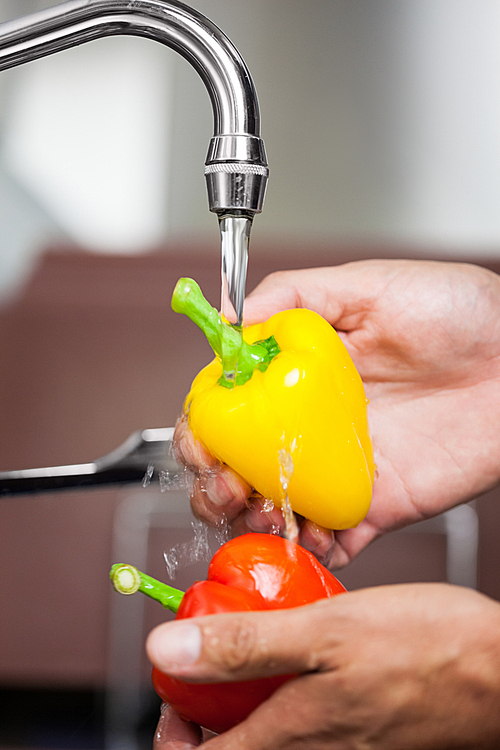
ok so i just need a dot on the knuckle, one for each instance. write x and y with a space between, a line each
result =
240 647
240 488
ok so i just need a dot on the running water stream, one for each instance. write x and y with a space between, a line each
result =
286 474
235 238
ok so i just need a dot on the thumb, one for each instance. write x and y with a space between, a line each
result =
240 646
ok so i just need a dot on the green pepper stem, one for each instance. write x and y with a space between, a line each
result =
127 580
189 300
226 340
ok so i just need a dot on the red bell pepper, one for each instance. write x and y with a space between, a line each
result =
250 572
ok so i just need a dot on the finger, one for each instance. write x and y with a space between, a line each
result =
259 518
190 451
350 543
293 718
245 645
341 294
219 495
318 540
173 733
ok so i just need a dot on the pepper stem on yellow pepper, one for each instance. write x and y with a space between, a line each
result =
127 580
225 340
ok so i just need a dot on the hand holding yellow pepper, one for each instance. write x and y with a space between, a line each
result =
294 417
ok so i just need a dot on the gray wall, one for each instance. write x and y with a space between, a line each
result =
381 121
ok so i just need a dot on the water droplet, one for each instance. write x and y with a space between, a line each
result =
267 505
148 475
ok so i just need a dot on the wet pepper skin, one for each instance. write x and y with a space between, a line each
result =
310 402
251 572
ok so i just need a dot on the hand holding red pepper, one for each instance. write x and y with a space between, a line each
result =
252 572
414 666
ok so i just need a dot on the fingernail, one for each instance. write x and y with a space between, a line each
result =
174 732
176 645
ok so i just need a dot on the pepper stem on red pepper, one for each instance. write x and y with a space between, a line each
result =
225 340
127 580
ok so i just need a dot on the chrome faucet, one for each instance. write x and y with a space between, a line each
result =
236 166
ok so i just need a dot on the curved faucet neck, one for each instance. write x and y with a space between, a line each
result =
236 165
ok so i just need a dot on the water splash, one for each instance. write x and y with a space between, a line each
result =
188 553
176 479
267 505
146 481
222 531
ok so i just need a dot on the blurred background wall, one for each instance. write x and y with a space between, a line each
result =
381 122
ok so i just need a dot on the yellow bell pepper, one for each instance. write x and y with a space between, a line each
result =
294 418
